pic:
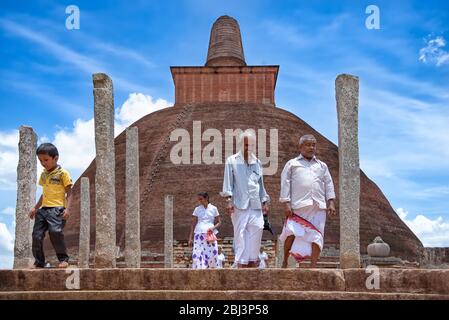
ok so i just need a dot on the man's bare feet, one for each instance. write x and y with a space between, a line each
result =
63 265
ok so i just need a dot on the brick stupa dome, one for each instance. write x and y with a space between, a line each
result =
227 94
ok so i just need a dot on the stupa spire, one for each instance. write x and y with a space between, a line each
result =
225 44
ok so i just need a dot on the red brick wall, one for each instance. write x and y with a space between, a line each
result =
254 84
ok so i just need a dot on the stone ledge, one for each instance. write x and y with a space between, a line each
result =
174 279
413 281
213 295
435 281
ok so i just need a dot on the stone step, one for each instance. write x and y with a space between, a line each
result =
329 259
213 295
416 281
152 258
320 264
155 265
144 264
183 259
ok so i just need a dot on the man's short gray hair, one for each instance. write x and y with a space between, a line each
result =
307 137
248 133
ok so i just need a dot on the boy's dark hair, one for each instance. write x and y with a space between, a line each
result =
203 194
48 149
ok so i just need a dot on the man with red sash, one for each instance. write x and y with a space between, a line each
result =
307 192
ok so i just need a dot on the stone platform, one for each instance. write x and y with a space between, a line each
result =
223 284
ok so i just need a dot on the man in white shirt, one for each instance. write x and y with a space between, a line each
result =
307 192
247 200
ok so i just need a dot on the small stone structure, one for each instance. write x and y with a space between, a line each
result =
378 248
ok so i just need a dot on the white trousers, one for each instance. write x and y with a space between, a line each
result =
248 229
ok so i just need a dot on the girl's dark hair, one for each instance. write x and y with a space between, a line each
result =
48 149
203 194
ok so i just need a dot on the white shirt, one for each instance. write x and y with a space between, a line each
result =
206 217
304 182
244 182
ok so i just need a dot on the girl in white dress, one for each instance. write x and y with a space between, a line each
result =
204 254
262 257
220 258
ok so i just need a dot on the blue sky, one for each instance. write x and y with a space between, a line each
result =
45 81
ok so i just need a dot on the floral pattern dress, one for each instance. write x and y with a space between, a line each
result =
204 253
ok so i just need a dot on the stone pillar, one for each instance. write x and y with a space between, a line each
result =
84 241
168 232
291 262
132 219
26 197
279 253
347 96
105 230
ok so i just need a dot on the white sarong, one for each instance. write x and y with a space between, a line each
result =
248 229
307 225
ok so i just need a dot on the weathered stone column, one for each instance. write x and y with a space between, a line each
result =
105 230
168 232
132 219
279 253
26 197
84 242
347 95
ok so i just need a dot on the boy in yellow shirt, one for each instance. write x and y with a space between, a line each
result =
50 212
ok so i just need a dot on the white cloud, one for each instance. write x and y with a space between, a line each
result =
9 211
6 240
8 159
76 146
9 139
6 247
433 52
135 107
432 233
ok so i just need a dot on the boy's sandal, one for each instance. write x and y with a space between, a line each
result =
63 264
